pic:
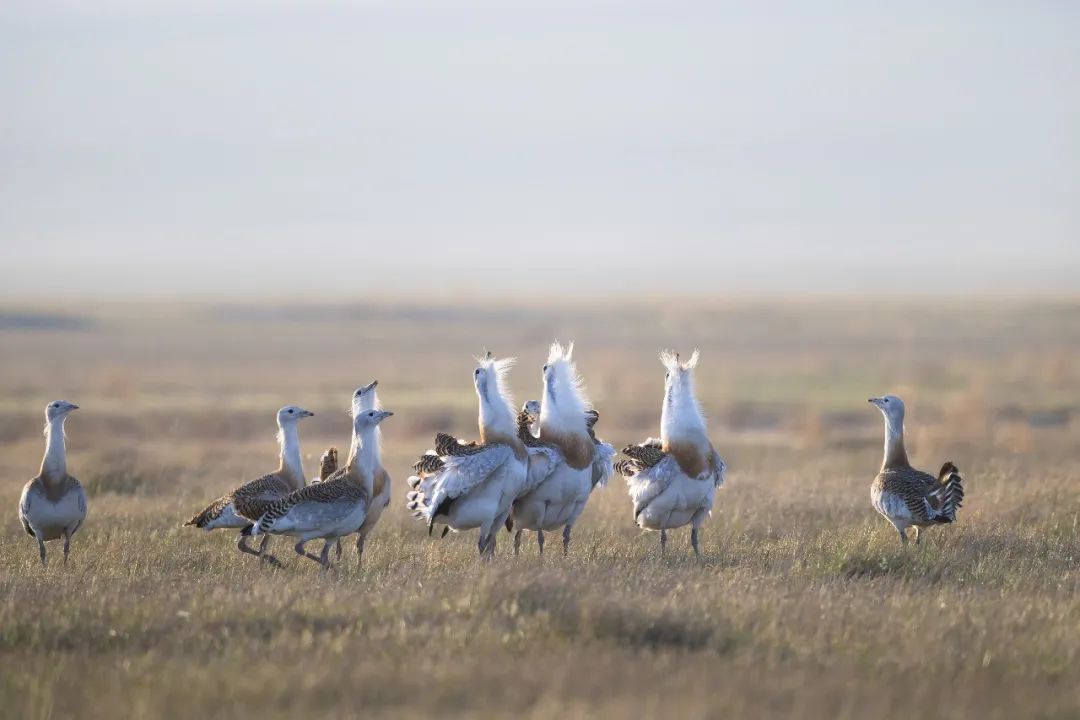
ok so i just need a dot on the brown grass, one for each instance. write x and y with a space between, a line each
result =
804 604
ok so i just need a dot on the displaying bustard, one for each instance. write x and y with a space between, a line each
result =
472 485
333 508
673 480
910 498
53 504
247 503
561 461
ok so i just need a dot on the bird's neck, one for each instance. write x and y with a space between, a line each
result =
292 466
895 453
364 461
54 464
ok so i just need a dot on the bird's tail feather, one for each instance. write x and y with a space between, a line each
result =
951 493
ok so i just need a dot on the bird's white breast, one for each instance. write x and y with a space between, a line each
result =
49 519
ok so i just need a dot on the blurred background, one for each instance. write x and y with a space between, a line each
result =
209 211
304 151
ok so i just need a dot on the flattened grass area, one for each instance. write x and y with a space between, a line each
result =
804 604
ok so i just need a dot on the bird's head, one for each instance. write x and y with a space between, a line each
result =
369 420
291 414
532 410
890 406
58 409
365 398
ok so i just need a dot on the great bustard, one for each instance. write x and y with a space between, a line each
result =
247 503
905 496
562 460
466 486
673 481
334 508
53 504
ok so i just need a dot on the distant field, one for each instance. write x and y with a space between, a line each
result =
804 604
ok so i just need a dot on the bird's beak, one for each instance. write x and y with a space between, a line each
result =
371 386
874 401
72 406
383 414
307 413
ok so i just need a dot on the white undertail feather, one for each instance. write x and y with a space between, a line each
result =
681 419
565 402
491 379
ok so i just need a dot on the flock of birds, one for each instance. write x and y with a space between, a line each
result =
533 469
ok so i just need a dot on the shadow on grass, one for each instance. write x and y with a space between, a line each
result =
609 621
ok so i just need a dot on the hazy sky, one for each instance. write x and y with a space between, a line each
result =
444 147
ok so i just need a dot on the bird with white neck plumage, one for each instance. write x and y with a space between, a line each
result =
53 504
247 503
335 508
673 480
906 497
562 464
465 486
364 399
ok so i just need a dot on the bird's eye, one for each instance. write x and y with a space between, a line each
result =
885 400
56 405
290 412
546 368
667 376
477 372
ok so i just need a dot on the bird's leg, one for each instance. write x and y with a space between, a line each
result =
663 542
265 556
694 541
324 558
339 549
566 540
903 535
915 531
445 530
41 551
540 540
67 545
359 549
487 544
242 545
299 548
517 542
